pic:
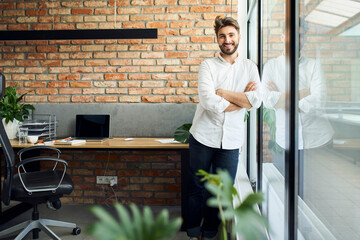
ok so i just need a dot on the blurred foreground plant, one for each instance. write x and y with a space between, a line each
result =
247 222
138 227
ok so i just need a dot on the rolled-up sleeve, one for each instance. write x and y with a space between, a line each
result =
208 98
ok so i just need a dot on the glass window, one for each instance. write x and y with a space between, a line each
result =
273 137
329 119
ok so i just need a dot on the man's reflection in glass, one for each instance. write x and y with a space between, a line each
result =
314 129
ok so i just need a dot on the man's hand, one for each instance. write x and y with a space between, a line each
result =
304 93
271 86
251 86
220 92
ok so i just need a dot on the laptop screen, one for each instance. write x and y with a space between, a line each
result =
92 126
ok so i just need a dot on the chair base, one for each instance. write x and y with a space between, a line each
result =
42 224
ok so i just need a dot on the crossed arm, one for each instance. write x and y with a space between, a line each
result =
271 86
238 100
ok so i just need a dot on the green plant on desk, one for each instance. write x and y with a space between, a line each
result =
249 223
138 227
12 107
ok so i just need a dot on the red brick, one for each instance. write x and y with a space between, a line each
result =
82 99
165 195
8 56
115 76
41 26
106 99
35 70
163 91
71 91
52 63
152 173
142 194
58 99
58 84
69 77
81 70
82 11
139 76
80 84
46 91
152 99
129 99
35 84
37 12
176 99
19 27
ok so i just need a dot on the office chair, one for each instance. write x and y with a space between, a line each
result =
34 187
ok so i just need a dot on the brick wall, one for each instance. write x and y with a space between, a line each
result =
112 71
147 177
144 177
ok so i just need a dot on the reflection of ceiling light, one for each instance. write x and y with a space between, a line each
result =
334 12
351 32
324 18
342 8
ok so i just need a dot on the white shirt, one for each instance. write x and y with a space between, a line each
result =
314 128
211 125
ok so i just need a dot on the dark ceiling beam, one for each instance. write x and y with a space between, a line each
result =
150 33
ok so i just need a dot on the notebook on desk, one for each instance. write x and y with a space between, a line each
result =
92 127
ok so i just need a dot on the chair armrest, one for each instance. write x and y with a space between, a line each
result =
37 159
41 158
38 148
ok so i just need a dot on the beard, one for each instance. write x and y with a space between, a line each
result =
228 51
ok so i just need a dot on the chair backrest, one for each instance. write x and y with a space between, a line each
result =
9 157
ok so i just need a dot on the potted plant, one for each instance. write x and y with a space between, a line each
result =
13 110
246 221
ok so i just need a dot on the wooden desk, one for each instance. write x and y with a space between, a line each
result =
136 144
116 143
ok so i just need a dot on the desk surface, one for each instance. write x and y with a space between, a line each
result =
137 143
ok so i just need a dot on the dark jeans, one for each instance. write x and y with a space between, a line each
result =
208 159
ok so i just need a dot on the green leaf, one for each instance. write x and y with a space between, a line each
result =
249 222
139 227
246 116
12 107
182 133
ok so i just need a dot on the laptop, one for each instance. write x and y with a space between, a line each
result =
92 127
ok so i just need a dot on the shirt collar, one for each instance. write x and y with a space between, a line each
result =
237 59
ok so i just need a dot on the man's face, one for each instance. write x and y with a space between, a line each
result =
228 39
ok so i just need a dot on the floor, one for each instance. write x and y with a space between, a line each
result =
80 214
332 191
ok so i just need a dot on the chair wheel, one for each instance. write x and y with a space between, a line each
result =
76 231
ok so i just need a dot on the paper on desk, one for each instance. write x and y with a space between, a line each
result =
339 141
167 140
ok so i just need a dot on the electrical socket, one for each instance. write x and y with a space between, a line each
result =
110 180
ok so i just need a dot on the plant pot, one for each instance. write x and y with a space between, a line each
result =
11 128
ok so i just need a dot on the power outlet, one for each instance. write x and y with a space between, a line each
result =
110 180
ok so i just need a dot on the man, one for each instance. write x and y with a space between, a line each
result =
227 88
